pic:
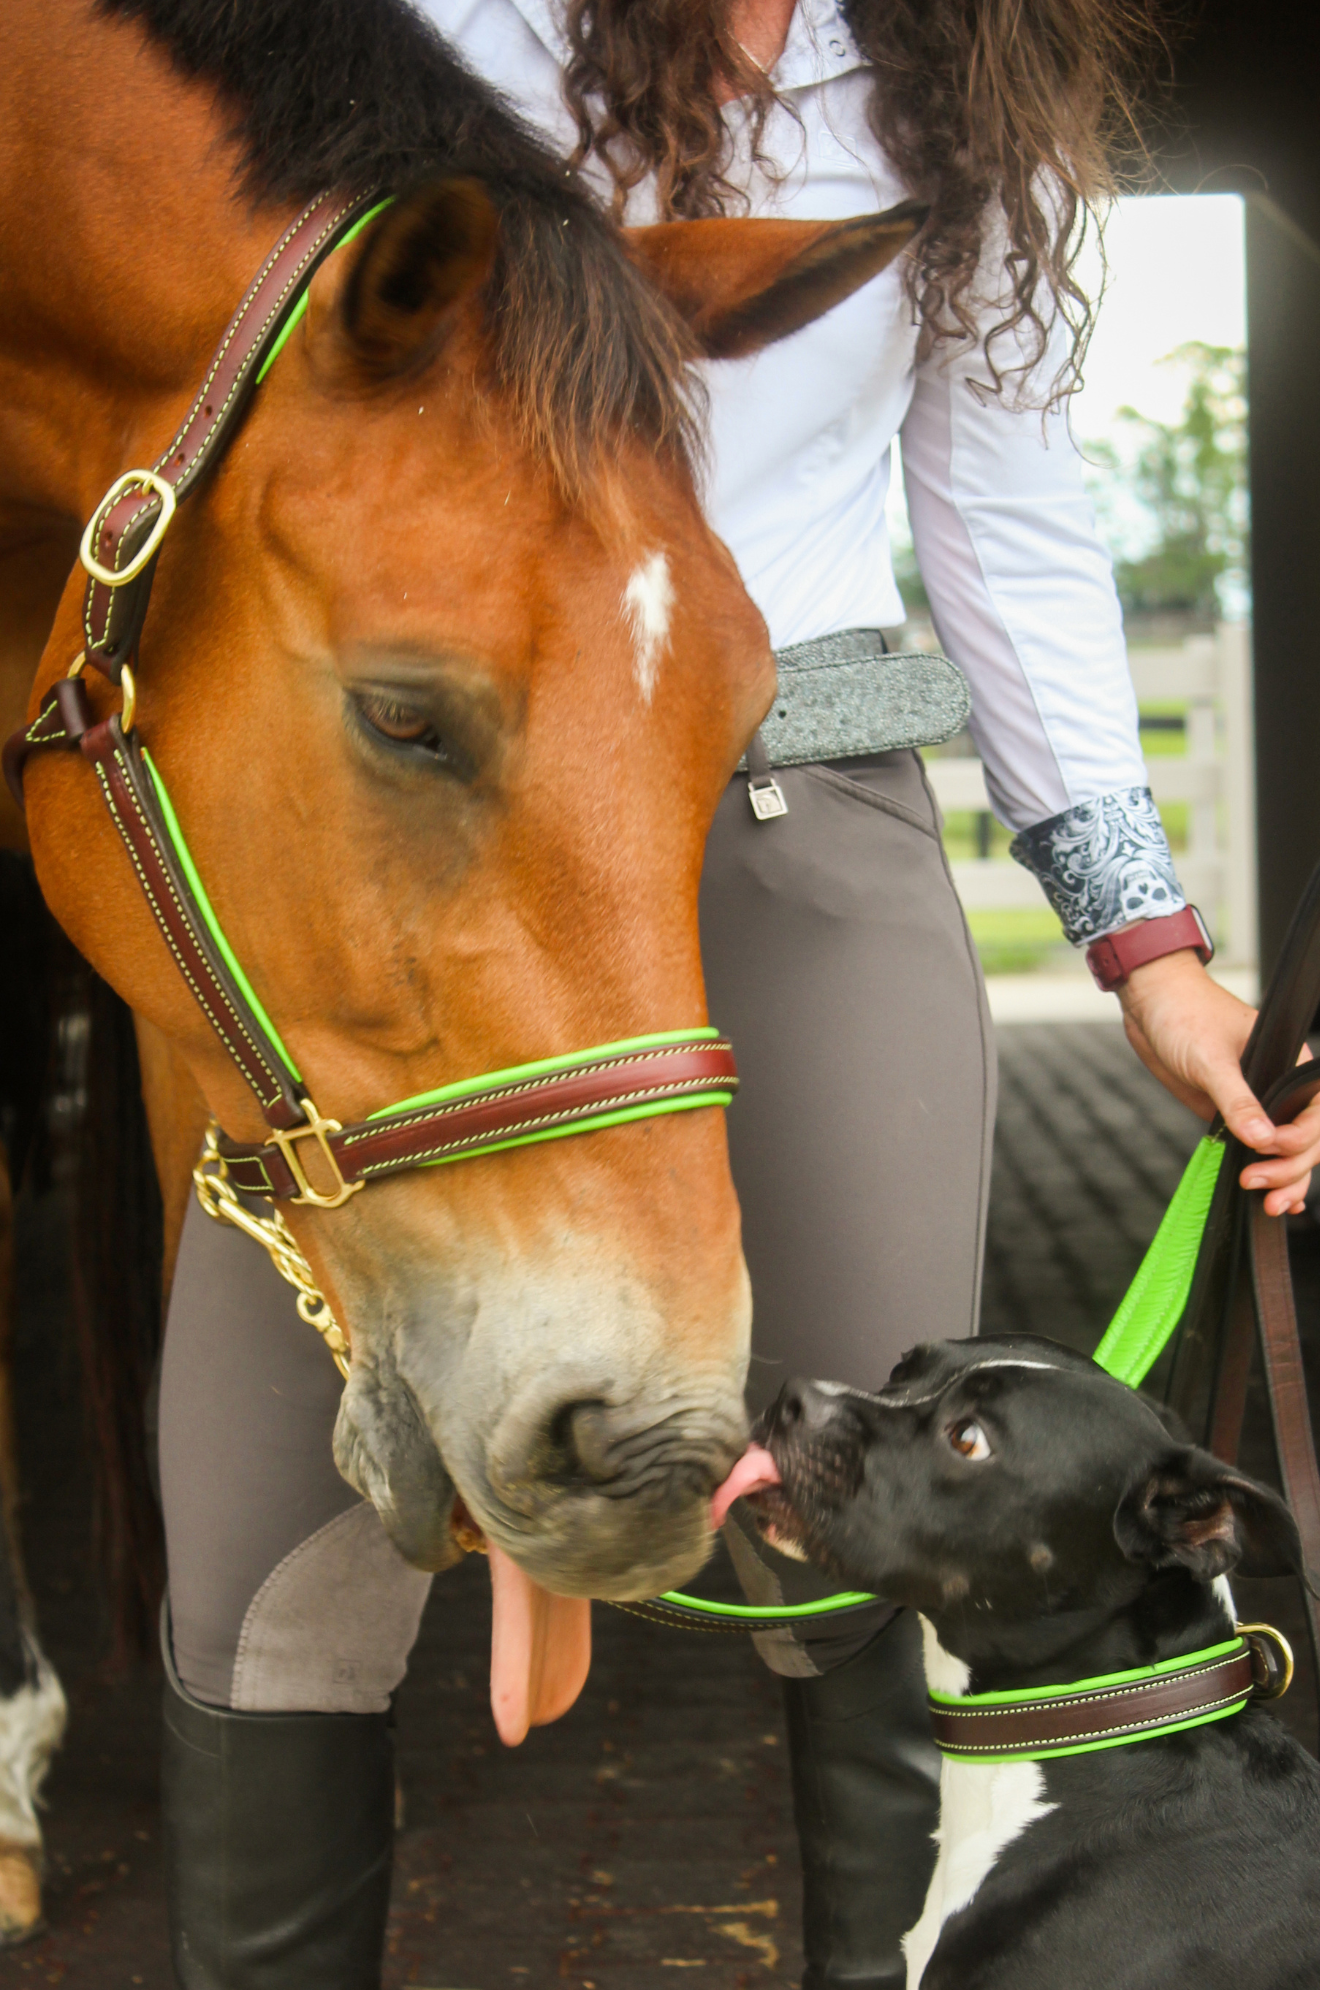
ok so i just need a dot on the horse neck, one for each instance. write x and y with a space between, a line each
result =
123 251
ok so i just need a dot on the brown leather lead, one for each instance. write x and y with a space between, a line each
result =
1285 1381
1097 1714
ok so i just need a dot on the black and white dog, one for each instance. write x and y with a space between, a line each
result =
1049 1528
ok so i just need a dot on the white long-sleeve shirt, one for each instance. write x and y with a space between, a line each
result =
1021 590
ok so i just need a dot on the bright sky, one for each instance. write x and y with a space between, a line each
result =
1176 272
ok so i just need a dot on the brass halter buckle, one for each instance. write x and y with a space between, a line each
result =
132 480
215 1193
316 1128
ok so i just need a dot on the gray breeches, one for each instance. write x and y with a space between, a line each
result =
838 960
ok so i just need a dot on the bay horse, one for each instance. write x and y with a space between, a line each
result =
444 674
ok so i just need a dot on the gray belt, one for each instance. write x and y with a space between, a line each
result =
846 694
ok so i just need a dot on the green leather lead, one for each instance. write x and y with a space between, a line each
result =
1153 1304
1134 1341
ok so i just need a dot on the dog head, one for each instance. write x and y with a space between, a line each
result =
1015 1494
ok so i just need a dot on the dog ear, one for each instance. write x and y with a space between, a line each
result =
1194 1510
415 263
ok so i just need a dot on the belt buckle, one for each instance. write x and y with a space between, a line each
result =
766 797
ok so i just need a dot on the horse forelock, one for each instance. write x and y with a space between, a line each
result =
365 94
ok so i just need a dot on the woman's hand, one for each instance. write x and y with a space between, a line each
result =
1191 1033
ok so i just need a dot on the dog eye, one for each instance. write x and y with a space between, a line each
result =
968 1439
400 723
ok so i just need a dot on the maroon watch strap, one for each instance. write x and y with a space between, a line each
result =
131 510
1112 959
449 1129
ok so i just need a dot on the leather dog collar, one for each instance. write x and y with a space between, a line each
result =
1116 1707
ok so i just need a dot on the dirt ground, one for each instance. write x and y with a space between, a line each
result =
650 1831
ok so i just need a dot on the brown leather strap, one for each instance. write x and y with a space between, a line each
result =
1229 1403
1285 1380
1098 1713
112 616
530 1108
131 799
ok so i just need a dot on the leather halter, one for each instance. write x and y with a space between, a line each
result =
308 1158
1117 1707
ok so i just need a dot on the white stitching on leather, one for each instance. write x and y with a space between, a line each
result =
1202 1671
1151 1725
180 438
524 1126
198 991
497 1094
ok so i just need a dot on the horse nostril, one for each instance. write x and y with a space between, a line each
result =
585 1440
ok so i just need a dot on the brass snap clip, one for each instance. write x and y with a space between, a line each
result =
143 480
317 1129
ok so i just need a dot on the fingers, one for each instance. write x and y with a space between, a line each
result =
1287 1178
1242 1111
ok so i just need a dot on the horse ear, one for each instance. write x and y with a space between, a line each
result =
742 285
1194 1510
416 261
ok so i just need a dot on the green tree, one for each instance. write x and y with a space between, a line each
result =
1173 502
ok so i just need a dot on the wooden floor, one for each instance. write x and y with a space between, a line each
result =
648 1833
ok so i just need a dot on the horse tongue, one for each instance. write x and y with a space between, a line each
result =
756 1468
540 1650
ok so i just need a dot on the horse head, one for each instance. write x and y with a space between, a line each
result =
445 674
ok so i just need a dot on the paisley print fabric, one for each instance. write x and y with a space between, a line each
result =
1103 864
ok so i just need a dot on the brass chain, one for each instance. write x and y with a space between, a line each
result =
219 1199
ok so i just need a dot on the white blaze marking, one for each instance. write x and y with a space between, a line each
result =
984 1806
647 601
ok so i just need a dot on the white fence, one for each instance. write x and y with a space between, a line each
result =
1215 778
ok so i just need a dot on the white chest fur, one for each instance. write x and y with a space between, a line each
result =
984 1806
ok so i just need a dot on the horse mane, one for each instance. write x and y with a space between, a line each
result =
365 94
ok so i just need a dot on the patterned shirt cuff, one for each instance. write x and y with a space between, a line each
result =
1103 864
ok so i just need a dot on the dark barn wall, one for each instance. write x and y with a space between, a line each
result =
1283 324
1244 119
1244 112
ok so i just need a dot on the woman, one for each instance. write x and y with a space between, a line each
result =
837 954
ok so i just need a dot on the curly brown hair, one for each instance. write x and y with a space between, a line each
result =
1015 117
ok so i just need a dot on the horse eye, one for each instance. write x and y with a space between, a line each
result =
402 724
968 1439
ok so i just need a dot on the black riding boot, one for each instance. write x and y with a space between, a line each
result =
278 1841
866 1780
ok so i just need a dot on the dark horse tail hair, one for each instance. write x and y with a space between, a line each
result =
116 1267
72 1120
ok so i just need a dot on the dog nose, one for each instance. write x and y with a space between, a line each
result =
802 1408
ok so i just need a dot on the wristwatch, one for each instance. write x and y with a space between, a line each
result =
1112 959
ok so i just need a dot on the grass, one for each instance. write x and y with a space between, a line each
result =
1019 940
